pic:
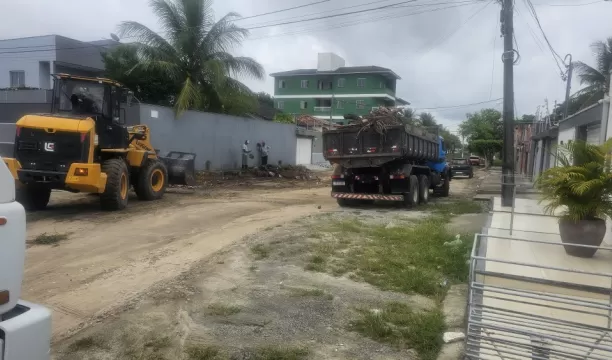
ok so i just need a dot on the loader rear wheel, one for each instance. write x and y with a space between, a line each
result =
33 198
115 195
152 181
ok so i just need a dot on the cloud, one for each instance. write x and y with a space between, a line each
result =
445 57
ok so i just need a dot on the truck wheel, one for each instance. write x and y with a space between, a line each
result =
33 198
115 195
344 202
412 198
152 181
423 189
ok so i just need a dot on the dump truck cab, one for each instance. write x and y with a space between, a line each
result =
83 146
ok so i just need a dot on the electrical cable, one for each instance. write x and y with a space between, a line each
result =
534 14
282 10
456 106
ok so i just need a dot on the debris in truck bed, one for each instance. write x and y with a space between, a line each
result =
379 119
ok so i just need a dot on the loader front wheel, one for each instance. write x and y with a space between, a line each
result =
33 198
152 181
115 195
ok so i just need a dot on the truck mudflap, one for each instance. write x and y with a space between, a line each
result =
181 167
353 196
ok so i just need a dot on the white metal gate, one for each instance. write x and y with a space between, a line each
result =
303 151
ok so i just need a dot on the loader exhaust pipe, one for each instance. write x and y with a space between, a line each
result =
181 167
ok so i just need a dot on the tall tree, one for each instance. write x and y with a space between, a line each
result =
596 79
195 53
149 86
483 125
427 120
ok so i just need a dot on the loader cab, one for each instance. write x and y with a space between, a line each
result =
97 98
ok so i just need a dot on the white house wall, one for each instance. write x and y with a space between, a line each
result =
25 54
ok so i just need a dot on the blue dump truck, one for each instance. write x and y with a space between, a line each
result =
386 161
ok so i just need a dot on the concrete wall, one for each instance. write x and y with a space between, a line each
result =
25 96
12 58
217 138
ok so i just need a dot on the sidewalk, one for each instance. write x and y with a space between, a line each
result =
491 185
525 290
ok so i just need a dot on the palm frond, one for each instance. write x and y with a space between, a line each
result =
144 35
189 97
223 35
589 75
240 66
171 18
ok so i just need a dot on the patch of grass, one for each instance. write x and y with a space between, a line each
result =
456 207
203 352
86 343
408 259
222 309
260 251
50 239
397 324
280 353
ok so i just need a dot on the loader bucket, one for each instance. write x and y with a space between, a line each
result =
181 168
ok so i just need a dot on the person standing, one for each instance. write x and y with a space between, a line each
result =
264 151
245 154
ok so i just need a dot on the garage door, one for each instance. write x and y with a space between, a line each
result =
303 151
593 134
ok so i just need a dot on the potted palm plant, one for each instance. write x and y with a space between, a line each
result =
581 187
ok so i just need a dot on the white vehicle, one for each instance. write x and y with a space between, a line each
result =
25 328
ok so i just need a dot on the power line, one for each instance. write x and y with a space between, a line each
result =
456 106
353 23
534 14
283 10
591 3
329 16
448 36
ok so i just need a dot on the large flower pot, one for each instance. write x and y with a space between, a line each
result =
584 232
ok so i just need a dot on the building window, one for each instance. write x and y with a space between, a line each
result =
361 82
304 84
339 104
304 104
341 82
382 85
17 79
324 85
281 84
360 104
280 105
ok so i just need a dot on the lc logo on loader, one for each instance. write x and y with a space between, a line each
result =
50 146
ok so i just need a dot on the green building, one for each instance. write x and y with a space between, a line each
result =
332 90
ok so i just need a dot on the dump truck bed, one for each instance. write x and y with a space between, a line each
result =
351 146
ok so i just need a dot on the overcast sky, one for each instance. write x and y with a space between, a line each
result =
447 57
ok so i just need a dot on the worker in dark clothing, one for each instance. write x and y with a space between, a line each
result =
264 151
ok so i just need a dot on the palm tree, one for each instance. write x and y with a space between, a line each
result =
195 52
428 120
596 79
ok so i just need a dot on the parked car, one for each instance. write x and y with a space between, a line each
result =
475 160
463 167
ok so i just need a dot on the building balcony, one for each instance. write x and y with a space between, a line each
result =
322 108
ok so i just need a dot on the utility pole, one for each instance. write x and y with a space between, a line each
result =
570 69
507 27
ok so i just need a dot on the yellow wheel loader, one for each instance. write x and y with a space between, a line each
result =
82 146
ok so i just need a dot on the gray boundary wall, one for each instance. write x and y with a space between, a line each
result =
216 138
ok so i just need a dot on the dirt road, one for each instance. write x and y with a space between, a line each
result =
109 258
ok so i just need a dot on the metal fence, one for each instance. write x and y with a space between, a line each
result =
517 317
514 315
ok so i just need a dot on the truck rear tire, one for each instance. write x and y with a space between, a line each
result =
33 198
411 199
423 189
152 181
115 195
445 191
